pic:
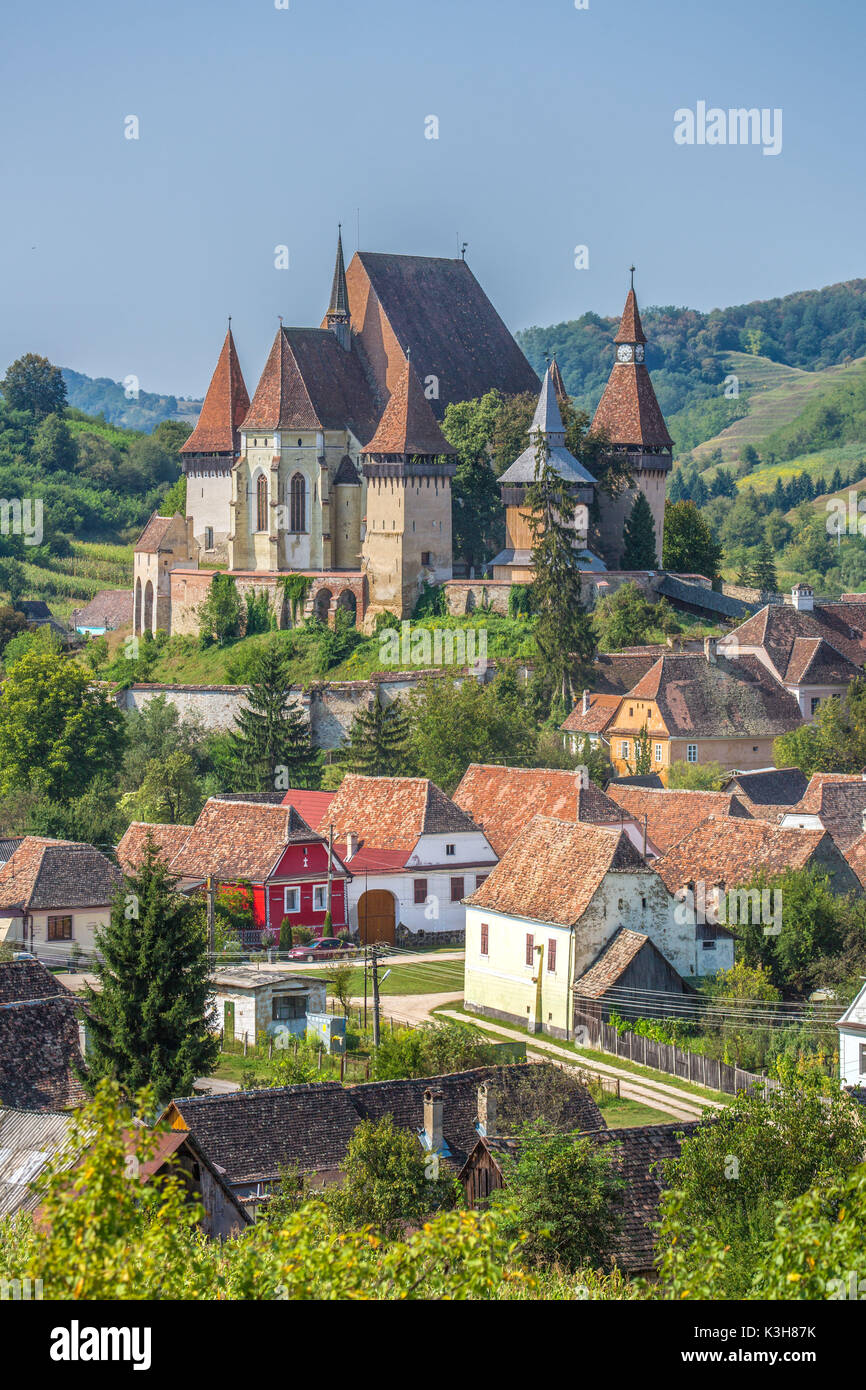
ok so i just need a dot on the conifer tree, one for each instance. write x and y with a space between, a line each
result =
270 747
564 635
377 745
639 534
147 1023
764 575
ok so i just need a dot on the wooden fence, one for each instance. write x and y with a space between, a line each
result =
688 1066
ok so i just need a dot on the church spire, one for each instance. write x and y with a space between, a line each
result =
628 411
224 407
556 378
338 317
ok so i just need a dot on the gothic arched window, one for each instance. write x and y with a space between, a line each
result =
261 503
298 503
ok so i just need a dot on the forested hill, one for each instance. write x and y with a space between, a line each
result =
686 349
142 411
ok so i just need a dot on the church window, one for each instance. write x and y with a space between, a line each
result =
261 503
298 503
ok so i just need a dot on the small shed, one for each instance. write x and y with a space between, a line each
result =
252 1003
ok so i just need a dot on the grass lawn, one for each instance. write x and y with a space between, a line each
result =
439 977
624 1114
588 1054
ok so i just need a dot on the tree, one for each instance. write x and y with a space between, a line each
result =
563 630
813 926
643 758
54 448
639 551
751 456
728 1177
835 742
389 1182
706 777
764 570
377 740
57 730
561 1192
156 731
35 385
628 619
477 511
452 726
175 499
689 546
11 623
221 613
148 1019
170 793
271 748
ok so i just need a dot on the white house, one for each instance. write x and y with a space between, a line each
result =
54 897
413 855
557 897
852 1042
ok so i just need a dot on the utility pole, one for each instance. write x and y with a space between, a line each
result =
365 987
211 925
330 867
375 960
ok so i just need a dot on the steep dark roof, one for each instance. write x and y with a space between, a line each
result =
311 383
839 801
338 305
253 1135
616 673
612 962
110 608
773 787
39 1046
778 627
440 313
44 874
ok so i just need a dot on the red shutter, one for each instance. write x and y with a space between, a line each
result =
551 956
456 889
530 947
485 939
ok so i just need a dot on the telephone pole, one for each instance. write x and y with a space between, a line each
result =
211 926
330 868
375 961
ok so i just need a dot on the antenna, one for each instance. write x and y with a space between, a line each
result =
463 250
632 270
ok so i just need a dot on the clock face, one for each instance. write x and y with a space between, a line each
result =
623 353
638 353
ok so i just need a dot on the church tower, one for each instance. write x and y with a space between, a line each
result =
408 470
514 563
630 414
338 318
210 453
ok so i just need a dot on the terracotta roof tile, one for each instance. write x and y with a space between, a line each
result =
109 608
671 815
615 673
601 710
153 534
779 628
240 840
856 857
224 407
726 851
408 425
44 874
839 801
720 699
39 1040
630 327
391 813
169 839
611 963
502 800
628 411
552 870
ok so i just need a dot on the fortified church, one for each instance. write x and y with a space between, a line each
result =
338 469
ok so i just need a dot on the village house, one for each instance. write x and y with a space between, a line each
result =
670 814
768 791
168 839
413 855
54 897
254 1136
42 1039
852 1042
628 964
640 1153
832 802
107 610
503 800
814 649
251 1003
700 708
590 720
273 854
559 894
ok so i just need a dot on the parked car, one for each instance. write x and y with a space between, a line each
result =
324 949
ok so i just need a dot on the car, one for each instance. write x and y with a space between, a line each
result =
324 949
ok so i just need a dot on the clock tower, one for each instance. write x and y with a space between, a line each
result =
630 415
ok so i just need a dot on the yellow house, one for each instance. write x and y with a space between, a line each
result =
701 708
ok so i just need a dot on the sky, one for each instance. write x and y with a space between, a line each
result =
262 127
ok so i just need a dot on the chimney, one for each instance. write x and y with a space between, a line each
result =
803 598
710 650
351 845
585 706
433 1121
487 1110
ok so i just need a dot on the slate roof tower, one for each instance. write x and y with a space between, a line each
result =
631 416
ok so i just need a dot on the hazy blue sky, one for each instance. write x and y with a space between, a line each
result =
261 126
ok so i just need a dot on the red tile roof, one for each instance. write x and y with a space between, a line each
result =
839 801
720 699
310 806
553 869
856 857
153 534
780 629
671 815
408 425
613 960
225 405
726 851
240 840
44 874
311 383
502 800
391 813
601 710
169 839
630 327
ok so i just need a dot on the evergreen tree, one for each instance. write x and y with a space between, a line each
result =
147 1022
836 480
779 497
639 534
746 573
699 494
270 747
377 741
676 490
764 570
564 634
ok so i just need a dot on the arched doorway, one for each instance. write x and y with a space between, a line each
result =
148 607
376 917
349 604
322 604
136 626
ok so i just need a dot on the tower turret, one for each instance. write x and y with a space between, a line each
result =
208 456
338 317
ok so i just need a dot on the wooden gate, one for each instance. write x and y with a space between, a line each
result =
376 917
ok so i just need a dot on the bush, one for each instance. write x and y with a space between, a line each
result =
286 941
303 935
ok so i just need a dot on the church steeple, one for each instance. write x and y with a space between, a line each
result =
338 318
628 410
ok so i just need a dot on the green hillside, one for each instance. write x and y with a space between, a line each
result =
143 411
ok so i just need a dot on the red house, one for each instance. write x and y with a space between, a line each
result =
274 850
